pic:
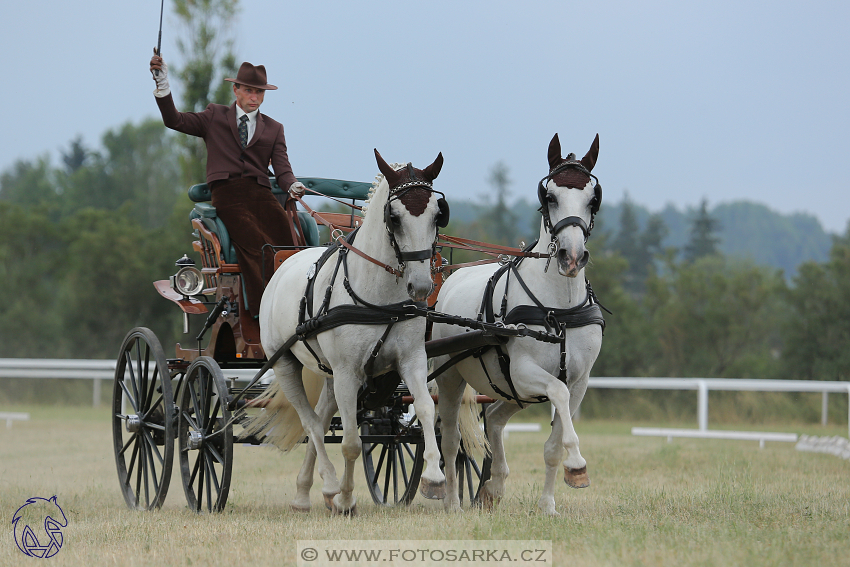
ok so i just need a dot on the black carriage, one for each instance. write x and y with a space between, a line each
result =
189 397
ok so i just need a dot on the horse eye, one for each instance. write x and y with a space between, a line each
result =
550 198
395 219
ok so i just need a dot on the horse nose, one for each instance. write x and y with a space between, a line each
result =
571 262
419 293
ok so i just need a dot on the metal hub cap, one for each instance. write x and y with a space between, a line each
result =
195 440
134 424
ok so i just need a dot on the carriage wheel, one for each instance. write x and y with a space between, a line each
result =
393 464
143 420
205 436
471 475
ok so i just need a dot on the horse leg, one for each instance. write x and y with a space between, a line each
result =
432 484
575 467
293 388
450 387
351 446
327 409
498 415
553 453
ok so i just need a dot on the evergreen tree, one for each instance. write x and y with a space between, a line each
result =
639 248
703 240
817 330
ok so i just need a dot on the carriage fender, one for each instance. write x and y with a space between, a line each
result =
189 305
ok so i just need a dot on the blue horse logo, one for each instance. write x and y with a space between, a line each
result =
39 513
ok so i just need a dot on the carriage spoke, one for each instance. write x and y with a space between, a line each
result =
190 420
153 446
200 494
194 472
214 452
380 463
152 466
371 448
195 405
133 380
153 406
156 426
213 474
207 467
208 392
394 456
406 447
143 386
403 464
146 468
139 473
213 414
129 396
126 446
132 458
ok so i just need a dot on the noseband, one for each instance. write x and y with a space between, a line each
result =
396 193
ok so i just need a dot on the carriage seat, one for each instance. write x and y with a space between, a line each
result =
201 195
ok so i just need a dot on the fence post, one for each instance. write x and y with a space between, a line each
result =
824 408
96 393
702 405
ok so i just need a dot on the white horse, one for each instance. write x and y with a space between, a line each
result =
399 229
559 301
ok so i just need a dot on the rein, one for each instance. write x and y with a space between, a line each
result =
339 237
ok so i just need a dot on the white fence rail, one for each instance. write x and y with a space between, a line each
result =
98 370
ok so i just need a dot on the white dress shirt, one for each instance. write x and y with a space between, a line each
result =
252 120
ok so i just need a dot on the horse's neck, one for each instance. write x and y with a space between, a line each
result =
370 281
372 238
549 287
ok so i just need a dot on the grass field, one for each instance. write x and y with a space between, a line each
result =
689 502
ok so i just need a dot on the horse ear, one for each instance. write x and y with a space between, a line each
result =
589 160
385 168
554 151
432 171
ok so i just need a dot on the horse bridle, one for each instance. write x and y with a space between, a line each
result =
572 220
397 193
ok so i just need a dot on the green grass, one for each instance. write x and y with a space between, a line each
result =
689 502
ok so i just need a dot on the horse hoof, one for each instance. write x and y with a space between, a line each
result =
329 500
300 508
486 499
343 511
576 478
433 490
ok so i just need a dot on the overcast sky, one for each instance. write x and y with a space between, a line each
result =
723 100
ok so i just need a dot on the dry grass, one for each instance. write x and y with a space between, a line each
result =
691 502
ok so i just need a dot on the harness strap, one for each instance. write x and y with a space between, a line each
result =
369 367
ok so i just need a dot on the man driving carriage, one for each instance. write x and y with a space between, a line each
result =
241 143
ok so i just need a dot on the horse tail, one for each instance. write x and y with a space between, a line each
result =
469 421
278 421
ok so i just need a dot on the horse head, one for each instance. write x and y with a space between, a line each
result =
569 196
413 213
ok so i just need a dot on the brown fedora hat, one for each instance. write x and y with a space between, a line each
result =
252 76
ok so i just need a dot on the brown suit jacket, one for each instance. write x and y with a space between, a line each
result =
226 158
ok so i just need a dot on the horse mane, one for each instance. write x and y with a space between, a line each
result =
375 184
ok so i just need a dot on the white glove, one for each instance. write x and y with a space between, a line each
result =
297 189
161 78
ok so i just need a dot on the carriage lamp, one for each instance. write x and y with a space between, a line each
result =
188 280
